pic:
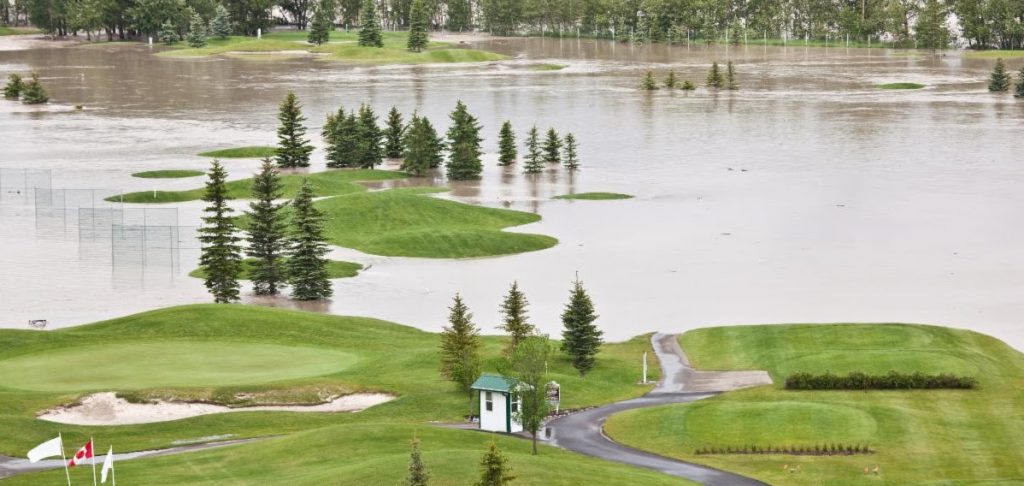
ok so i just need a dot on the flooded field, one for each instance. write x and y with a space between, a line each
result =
810 195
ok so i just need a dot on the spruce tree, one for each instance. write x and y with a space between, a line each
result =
460 349
515 317
393 134
419 146
581 339
714 79
570 157
1020 84
196 32
533 155
220 26
307 262
168 34
371 154
418 475
292 148
15 85
341 135
1000 80
649 84
369 32
463 145
494 468
506 145
323 22
552 147
267 232
670 81
418 21
33 93
688 85
221 255
436 145
730 77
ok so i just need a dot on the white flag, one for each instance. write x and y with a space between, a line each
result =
108 465
50 448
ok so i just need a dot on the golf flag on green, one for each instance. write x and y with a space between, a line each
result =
108 466
50 448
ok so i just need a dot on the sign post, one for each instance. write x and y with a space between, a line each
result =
645 368
554 394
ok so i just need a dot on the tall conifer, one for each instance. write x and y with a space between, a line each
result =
515 317
422 147
460 348
533 155
267 229
581 339
506 144
418 475
1000 79
464 145
220 26
221 255
570 157
369 32
15 85
292 148
730 77
323 22
371 154
418 21
714 79
393 134
307 263
552 147
196 31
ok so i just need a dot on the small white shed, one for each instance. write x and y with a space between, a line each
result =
497 404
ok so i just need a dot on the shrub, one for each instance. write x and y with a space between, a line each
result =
893 380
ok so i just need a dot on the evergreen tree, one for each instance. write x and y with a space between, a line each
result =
369 32
649 84
196 32
715 77
341 132
507 144
15 85
418 475
419 19
33 93
581 339
220 26
292 148
168 34
670 81
1020 84
371 154
221 256
533 155
307 264
552 147
464 145
570 157
688 85
394 134
513 312
323 22
730 77
266 230
529 364
423 147
1000 80
460 349
494 469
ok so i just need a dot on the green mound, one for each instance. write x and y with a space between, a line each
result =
595 196
252 152
335 269
168 174
918 436
901 86
548 67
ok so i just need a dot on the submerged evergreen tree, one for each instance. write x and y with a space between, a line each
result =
341 132
506 144
464 145
323 22
15 85
292 148
196 32
419 19
1020 84
460 349
393 134
552 147
714 79
369 32
494 469
370 139
423 147
515 317
581 339
220 26
307 263
649 84
418 475
33 92
533 155
1000 79
570 156
168 34
688 85
670 81
221 255
730 77
266 230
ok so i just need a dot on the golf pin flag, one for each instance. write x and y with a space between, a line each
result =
50 448
108 465
84 453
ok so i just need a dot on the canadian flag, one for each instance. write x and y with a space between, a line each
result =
84 453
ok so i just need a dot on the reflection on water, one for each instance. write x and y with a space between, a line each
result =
807 196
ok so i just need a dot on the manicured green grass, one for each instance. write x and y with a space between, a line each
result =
168 174
327 183
595 196
995 54
252 152
934 437
400 222
901 86
335 269
4 30
548 67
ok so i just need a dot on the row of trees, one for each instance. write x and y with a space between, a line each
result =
30 93
715 79
287 249
999 81
527 353
553 150
494 468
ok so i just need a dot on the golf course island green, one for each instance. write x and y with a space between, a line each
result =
595 196
252 152
218 353
901 86
917 436
168 174
335 269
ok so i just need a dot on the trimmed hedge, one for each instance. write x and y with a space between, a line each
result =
891 381
799 450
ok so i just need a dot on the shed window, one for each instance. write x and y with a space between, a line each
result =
514 407
488 402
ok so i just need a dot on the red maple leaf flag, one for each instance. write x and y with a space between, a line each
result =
84 453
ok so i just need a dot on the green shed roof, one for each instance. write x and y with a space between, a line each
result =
497 383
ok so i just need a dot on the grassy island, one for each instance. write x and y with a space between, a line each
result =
251 152
901 86
168 174
595 196
335 269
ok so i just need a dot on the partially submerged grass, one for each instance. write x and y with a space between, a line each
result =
901 86
595 196
918 436
996 54
335 269
6 30
252 152
168 174
548 67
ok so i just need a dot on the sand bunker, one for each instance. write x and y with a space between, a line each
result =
107 409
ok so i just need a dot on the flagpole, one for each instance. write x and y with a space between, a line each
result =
64 459
92 450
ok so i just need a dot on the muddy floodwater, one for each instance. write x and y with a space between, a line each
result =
809 195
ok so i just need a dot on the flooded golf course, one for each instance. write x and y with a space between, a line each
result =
809 195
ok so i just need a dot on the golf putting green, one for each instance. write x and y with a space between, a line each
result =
151 364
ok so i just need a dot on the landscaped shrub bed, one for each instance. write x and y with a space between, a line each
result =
799 450
891 381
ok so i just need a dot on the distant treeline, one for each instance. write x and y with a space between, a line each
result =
890 381
984 23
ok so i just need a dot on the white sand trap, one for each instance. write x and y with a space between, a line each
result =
107 409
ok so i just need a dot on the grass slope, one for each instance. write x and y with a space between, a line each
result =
250 152
595 196
335 269
934 437
327 183
168 174
901 86
402 222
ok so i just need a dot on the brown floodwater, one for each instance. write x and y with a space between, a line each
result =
807 196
